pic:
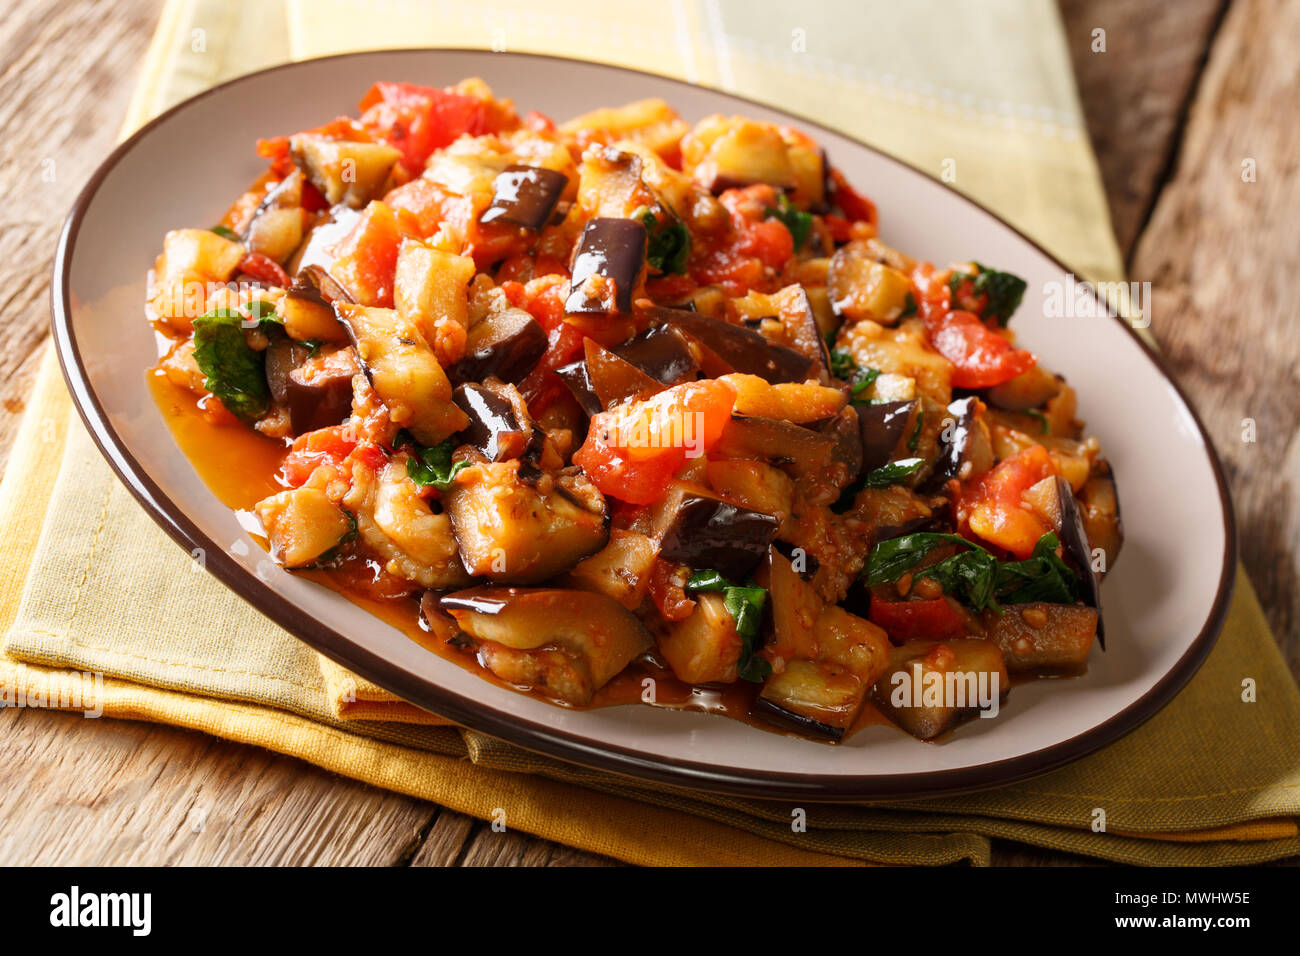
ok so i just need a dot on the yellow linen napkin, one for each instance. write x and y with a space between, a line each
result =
1228 772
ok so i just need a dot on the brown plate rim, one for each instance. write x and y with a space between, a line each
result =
568 746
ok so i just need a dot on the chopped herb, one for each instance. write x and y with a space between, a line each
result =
432 465
235 372
225 233
745 605
909 307
314 345
916 432
1004 291
893 473
799 223
670 241
1041 418
350 535
845 368
975 576
264 314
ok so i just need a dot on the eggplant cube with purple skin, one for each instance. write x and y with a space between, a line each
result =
525 196
610 258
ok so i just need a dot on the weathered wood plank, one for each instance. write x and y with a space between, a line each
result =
1220 251
1135 92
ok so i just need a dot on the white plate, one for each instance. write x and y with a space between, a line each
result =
1164 603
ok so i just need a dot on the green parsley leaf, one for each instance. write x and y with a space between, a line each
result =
1004 290
909 307
432 465
225 233
916 432
893 473
265 314
845 368
1041 418
235 372
1043 576
891 559
745 605
799 223
670 241
970 576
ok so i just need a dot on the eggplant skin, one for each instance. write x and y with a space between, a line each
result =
525 196
610 258
1074 541
493 427
710 534
662 353
507 344
741 349
882 426
952 449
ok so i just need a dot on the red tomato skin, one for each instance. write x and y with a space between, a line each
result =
325 446
934 620
993 508
981 357
264 268
418 119
640 474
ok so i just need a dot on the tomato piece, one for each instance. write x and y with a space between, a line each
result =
367 256
264 269
419 119
633 451
855 206
994 509
933 620
981 357
668 595
538 122
325 446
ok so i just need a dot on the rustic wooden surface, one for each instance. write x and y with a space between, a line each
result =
1184 94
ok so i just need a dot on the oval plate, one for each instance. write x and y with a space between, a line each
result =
1164 604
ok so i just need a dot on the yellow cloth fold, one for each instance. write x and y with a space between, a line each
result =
1209 780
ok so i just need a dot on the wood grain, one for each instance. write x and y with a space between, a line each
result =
1220 252
1136 92
112 792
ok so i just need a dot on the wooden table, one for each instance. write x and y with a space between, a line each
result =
1183 96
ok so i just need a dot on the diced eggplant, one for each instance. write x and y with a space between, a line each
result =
283 355
799 450
753 484
838 658
403 371
846 431
597 636
308 307
614 379
621 569
610 258
862 287
1074 541
525 196
493 426
343 170
662 353
318 391
275 229
1050 639
513 531
704 647
709 533
317 248
813 698
737 348
506 344
786 318
1031 389
954 672
882 426
1099 506
578 381
954 442
438 622
431 286
302 524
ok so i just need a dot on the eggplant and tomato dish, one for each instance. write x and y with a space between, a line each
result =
624 409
